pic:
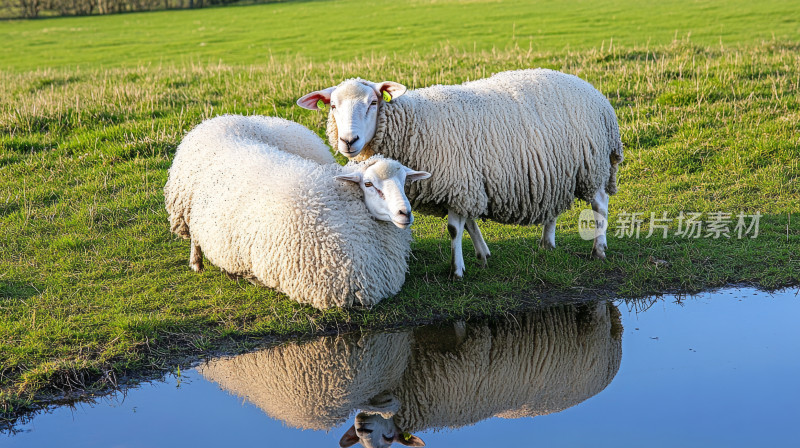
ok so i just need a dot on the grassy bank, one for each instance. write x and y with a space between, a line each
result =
93 286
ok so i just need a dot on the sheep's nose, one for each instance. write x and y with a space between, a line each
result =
349 142
403 212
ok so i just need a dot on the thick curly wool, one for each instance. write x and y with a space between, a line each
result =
517 147
317 384
545 362
434 377
279 219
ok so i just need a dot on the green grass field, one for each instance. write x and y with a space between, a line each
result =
342 30
93 287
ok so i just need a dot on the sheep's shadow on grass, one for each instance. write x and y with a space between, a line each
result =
636 265
515 258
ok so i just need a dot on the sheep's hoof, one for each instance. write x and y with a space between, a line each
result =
197 265
598 254
456 275
546 245
483 260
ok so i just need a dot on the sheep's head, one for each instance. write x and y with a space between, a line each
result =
354 105
383 181
375 431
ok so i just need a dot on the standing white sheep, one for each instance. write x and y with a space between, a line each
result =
539 363
517 147
252 196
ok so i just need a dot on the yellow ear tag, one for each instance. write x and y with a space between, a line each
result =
386 96
406 435
320 104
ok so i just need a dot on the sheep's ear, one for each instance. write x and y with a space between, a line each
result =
408 439
349 438
312 100
416 175
392 89
352 177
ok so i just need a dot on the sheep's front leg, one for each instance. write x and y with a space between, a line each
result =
600 207
481 249
455 226
196 257
548 240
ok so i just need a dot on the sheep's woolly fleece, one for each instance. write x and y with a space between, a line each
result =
316 384
434 377
280 219
517 147
541 364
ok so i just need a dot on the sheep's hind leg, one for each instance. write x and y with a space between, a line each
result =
481 248
196 257
600 207
455 226
548 240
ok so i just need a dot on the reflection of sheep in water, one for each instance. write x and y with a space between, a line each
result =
316 384
432 378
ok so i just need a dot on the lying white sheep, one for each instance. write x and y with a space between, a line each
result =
317 384
283 220
516 148
431 377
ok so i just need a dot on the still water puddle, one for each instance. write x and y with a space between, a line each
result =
718 369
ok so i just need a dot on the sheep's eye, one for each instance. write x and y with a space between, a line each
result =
367 184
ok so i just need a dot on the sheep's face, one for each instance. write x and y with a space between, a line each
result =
383 183
354 106
374 431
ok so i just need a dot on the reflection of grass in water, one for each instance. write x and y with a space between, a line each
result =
93 285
